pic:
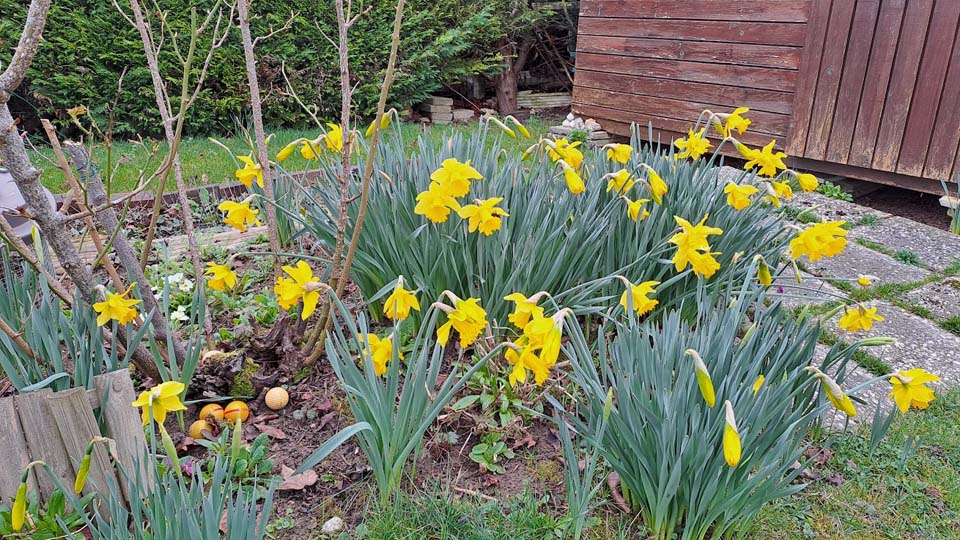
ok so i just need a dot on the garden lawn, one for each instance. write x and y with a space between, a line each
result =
202 157
908 488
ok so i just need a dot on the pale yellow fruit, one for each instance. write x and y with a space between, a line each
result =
197 428
277 398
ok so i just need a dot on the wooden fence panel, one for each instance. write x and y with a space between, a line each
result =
816 32
756 32
944 143
43 439
123 424
718 10
13 453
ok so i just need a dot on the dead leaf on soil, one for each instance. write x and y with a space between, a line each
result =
296 482
613 482
271 431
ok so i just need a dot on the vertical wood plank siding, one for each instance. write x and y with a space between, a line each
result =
864 88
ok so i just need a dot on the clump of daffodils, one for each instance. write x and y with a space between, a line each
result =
538 347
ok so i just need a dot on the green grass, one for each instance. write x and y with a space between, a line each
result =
894 493
438 517
876 246
204 159
873 364
951 325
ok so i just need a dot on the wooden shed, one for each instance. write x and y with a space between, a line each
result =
866 89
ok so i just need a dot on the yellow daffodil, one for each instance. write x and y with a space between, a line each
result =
397 306
117 307
160 400
768 161
525 359
620 181
525 308
782 189
763 272
840 400
311 150
239 215
758 383
572 177
380 351
735 121
545 334
694 145
484 216
909 388
384 123
658 188
435 204
619 153
221 276
251 171
563 150
864 281
693 247
465 316
639 298
634 209
703 378
301 285
808 182
334 138
732 448
859 318
453 177
287 150
819 240
738 196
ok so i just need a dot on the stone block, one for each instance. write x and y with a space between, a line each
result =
438 100
427 107
441 116
937 249
941 298
441 121
462 114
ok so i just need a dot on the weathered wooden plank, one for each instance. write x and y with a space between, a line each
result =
718 96
828 81
903 82
851 83
615 119
761 33
882 56
763 78
932 76
946 133
123 423
43 439
14 454
713 10
773 125
743 54
77 426
829 168
815 35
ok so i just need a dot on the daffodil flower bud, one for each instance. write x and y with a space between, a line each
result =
835 394
732 448
763 272
608 404
878 341
19 512
84 470
170 448
503 127
703 379
758 383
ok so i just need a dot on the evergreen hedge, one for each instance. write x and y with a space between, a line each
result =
88 44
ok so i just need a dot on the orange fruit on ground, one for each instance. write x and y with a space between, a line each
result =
276 398
235 410
212 410
197 428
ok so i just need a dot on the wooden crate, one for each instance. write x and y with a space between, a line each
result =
56 427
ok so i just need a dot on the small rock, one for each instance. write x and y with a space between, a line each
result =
567 123
591 124
570 117
332 525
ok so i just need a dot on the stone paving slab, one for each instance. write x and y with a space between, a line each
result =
857 259
920 342
936 248
834 209
813 290
941 298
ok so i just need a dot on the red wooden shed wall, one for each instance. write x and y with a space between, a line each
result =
861 88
